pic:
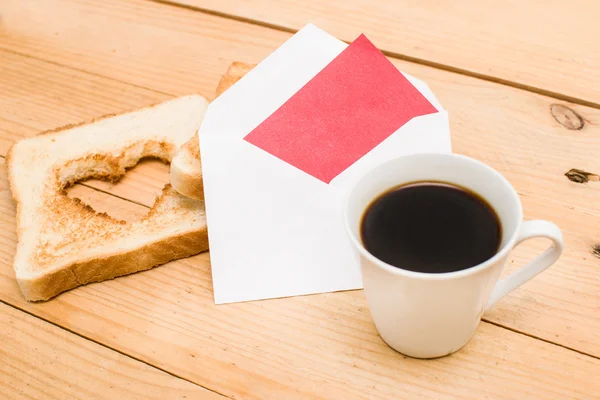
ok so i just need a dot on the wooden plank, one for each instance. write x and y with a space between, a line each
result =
171 50
42 361
322 346
39 95
541 45
512 130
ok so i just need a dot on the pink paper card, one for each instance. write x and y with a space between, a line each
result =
351 106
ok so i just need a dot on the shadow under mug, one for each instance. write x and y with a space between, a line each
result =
428 315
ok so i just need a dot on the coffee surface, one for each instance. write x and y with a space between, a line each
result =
431 227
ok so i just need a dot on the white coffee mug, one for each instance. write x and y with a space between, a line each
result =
428 315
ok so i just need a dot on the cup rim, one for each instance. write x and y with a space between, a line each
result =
444 275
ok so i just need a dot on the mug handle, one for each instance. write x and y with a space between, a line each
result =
530 229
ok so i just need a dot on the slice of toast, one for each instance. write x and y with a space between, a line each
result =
186 170
64 243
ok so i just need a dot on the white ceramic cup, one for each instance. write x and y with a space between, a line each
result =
427 315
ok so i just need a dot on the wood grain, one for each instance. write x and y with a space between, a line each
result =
321 346
146 44
40 95
541 45
42 361
312 346
514 131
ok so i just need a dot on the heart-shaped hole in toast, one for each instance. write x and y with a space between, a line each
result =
108 187
128 198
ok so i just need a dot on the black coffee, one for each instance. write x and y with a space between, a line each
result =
431 227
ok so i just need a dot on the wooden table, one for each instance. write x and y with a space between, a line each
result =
521 81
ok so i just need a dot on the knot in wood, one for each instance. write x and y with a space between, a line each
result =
596 250
567 117
580 176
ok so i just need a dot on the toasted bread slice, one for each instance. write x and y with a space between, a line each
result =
63 243
186 170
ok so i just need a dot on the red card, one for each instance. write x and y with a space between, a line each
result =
346 110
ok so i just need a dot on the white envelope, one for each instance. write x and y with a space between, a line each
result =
274 230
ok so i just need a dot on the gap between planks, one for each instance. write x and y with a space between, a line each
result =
539 338
399 56
110 348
